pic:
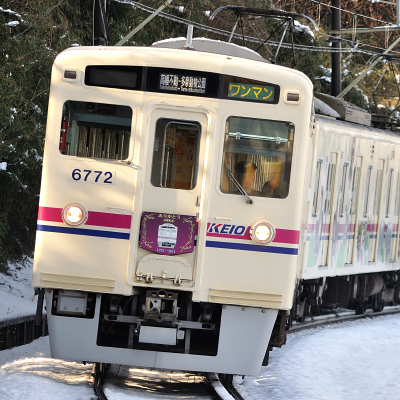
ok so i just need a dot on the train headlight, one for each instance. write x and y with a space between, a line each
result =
74 214
262 232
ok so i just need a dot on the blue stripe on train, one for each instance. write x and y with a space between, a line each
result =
84 232
251 247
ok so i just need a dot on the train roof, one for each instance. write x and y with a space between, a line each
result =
340 109
212 46
347 111
356 128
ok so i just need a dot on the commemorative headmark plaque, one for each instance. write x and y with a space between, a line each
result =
167 234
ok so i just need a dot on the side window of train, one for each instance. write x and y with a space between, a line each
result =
330 183
175 154
355 186
378 187
396 253
343 188
397 198
95 130
366 197
258 155
316 188
389 193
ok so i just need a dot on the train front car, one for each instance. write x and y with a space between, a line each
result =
171 206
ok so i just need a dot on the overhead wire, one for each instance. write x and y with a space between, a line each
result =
250 39
351 12
359 44
355 15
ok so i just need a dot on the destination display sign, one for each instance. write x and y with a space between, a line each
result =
251 92
182 83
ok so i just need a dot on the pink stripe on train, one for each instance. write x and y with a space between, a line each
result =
108 220
287 236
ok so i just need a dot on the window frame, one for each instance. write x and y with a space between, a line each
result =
316 187
163 124
343 197
389 193
380 172
368 184
256 156
93 121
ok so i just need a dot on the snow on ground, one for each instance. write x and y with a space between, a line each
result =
28 372
350 361
16 291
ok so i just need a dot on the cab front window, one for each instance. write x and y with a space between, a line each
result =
95 130
257 156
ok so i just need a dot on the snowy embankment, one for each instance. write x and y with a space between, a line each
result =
28 372
16 292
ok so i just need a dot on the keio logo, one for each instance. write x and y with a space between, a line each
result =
226 229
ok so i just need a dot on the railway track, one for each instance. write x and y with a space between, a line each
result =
202 386
340 316
211 386
163 383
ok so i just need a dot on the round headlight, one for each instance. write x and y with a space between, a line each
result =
262 232
74 214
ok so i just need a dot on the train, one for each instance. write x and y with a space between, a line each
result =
197 199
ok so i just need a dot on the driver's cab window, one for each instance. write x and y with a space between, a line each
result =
95 130
175 154
257 157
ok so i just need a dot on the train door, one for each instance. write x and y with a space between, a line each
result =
171 197
328 205
395 234
352 218
373 223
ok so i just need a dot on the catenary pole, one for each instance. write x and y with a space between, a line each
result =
100 25
336 56
397 12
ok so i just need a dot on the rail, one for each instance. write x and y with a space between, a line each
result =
339 317
219 386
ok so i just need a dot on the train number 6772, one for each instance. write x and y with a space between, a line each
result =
91 176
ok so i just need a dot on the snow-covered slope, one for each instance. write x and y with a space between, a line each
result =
16 292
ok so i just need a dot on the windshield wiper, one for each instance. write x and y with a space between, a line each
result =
239 135
239 187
